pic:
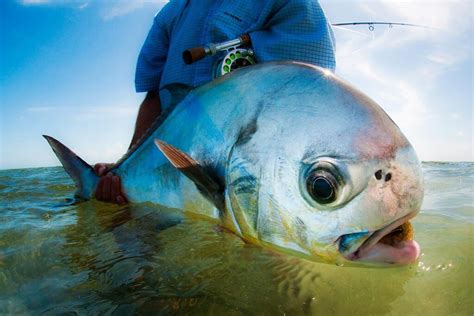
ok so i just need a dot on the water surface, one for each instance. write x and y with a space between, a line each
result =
57 257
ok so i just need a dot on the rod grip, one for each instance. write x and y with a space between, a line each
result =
193 54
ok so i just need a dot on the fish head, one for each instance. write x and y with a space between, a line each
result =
327 173
357 209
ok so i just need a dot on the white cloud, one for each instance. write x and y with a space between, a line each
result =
83 6
111 9
85 112
451 22
79 4
96 133
399 67
120 8
30 2
111 152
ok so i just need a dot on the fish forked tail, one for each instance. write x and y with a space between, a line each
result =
80 171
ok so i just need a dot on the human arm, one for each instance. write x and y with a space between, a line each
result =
149 68
149 111
109 187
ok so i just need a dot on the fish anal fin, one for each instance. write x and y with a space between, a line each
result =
206 184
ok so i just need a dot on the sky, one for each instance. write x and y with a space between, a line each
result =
67 70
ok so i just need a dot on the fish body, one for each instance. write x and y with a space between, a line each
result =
283 154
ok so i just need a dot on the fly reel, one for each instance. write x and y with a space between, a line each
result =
234 59
236 55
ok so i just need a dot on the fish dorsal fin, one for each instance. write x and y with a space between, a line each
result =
207 185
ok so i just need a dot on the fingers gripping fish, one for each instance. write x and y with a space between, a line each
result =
286 155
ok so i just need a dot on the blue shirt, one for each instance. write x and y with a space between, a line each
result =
279 29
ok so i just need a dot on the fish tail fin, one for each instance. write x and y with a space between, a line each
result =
80 171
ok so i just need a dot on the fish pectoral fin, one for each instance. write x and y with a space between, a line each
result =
207 185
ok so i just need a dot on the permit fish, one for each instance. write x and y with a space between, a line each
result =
286 155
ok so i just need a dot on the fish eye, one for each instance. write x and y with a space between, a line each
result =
323 183
322 186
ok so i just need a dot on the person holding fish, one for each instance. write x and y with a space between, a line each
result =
295 30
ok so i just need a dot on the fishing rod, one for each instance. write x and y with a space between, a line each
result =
239 53
371 24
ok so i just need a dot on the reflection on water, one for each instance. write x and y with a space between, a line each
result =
57 257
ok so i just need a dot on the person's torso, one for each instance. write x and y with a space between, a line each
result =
196 23
202 22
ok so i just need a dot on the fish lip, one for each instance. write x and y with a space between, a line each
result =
375 237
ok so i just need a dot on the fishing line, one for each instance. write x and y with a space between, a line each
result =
350 30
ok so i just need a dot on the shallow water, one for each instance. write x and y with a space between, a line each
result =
91 258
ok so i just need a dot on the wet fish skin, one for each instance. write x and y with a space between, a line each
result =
258 133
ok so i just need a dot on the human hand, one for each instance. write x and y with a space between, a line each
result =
109 187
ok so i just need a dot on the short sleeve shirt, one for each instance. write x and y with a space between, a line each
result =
279 29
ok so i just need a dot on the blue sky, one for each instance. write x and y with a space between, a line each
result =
67 70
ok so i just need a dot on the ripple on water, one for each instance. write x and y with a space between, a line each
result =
58 257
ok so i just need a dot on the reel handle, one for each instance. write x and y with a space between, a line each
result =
245 40
194 54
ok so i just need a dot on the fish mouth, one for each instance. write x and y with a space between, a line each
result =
391 244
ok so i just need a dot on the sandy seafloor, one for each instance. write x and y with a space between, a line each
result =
95 258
